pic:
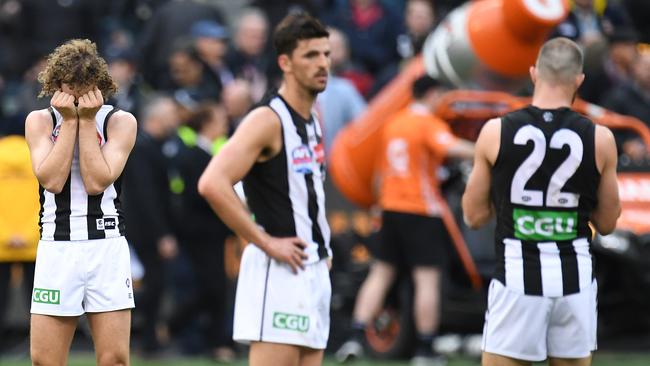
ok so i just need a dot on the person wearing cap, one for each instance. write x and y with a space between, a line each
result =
413 236
211 43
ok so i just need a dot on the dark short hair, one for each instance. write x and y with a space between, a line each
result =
296 27
423 84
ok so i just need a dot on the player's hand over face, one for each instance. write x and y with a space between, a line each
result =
64 104
89 104
288 250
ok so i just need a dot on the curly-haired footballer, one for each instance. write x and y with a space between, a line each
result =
78 149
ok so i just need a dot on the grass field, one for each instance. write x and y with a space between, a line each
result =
605 359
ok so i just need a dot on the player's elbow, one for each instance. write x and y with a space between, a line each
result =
474 220
207 189
474 216
606 224
94 187
53 187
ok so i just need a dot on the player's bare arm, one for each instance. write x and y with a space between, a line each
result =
462 149
51 161
477 207
609 207
257 139
101 166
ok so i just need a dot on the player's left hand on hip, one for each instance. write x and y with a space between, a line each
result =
89 104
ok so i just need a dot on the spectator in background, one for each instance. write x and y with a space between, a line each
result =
247 58
587 26
237 100
419 19
191 76
27 98
122 67
340 102
202 234
368 24
146 200
343 66
42 25
614 68
211 44
19 215
633 99
171 22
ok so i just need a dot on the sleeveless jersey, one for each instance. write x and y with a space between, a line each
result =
285 193
544 188
73 214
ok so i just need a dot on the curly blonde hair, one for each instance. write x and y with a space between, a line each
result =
77 63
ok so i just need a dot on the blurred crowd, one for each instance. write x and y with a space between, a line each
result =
189 70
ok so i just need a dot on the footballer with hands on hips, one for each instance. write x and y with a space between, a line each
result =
283 289
78 148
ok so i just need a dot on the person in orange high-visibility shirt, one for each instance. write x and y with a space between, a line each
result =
414 145
18 218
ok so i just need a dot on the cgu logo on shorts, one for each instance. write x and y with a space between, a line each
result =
45 296
299 323
544 225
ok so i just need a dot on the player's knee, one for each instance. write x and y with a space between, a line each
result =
112 358
40 359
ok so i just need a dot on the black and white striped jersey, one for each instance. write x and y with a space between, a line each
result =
73 214
286 192
544 188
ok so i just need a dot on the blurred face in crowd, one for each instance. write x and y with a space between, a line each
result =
584 4
212 50
166 116
237 98
185 70
121 71
217 125
252 34
419 17
624 54
309 64
642 71
339 48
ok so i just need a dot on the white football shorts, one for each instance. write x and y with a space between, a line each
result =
82 276
533 328
275 305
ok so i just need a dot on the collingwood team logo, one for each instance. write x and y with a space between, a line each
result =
302 158
55 133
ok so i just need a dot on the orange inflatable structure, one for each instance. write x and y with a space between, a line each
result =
484 44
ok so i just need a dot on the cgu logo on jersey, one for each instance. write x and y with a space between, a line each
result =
45 296
298 323
544 225
301 158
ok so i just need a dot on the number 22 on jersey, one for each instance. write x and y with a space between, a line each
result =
554 195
